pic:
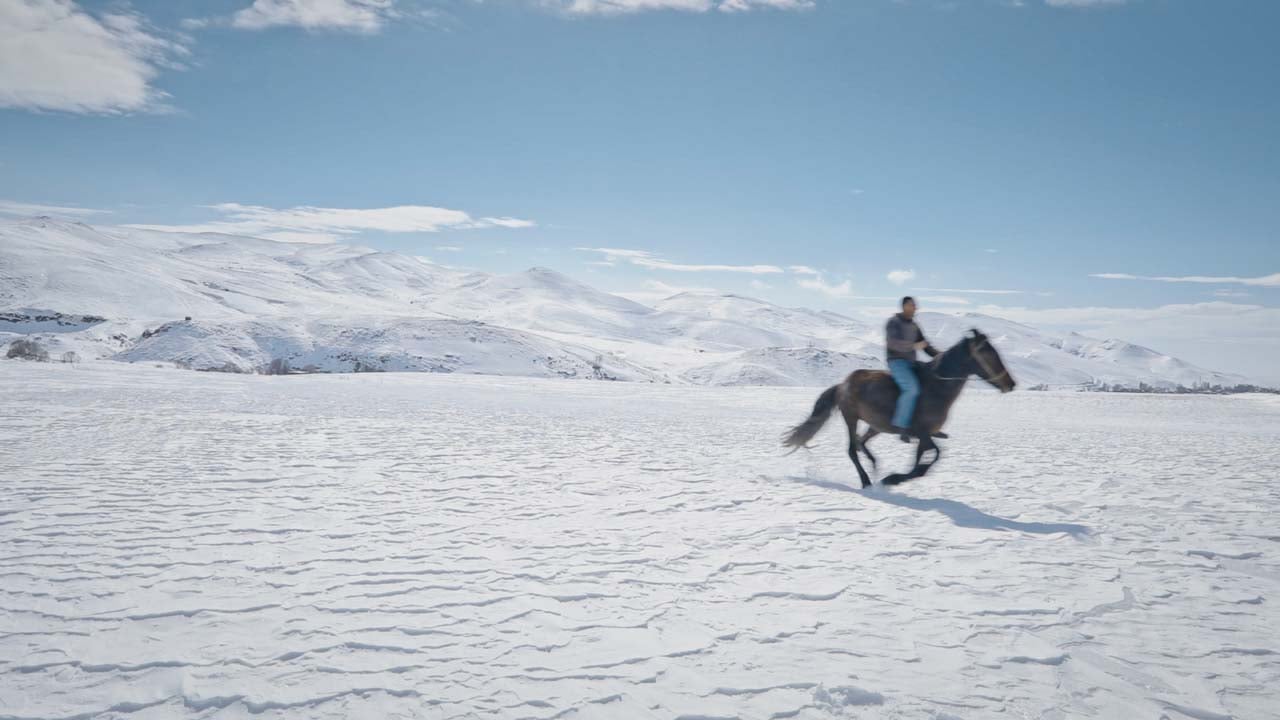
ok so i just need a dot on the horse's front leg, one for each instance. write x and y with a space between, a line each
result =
926 444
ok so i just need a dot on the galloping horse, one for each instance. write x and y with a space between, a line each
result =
870 396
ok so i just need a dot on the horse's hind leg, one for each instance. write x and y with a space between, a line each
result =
851 420
870 433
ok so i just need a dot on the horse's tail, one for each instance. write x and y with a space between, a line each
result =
800 435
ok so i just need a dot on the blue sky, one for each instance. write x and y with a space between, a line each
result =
827 154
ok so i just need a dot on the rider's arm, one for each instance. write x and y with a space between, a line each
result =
929 349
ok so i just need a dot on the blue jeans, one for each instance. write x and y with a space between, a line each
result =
904 373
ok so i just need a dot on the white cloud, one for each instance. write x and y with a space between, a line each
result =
743 5
8 207
1272 280
760 285
971 291
645 259
362 16
899 277
316 224
507 222
621 7
813 279
56 56
448 248
1082 3
818 284
943 299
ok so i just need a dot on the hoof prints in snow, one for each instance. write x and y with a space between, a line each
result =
174 545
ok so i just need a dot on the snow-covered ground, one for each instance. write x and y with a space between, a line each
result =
178 544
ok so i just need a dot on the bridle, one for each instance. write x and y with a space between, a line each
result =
982 363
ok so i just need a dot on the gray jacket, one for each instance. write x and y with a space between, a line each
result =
901 335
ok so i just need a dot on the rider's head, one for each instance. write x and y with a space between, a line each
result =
908 307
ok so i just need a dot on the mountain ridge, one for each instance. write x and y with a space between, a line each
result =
229 302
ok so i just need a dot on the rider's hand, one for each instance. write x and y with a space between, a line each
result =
921 345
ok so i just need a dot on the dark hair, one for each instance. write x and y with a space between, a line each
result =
907 299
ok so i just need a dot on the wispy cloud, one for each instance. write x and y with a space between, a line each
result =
448 248
56 56
645 259
1272 280
900 277
743 5
944 299
970 291
358 16
814 279
317 224
622 7
1083 3
9 207
819 284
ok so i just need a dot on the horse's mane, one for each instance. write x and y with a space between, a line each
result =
952 362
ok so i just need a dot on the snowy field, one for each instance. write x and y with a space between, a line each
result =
175 544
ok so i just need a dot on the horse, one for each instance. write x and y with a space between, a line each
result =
871 395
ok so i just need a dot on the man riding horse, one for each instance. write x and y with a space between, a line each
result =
903 339
912 402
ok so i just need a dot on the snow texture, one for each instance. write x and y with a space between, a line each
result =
183 545
125 294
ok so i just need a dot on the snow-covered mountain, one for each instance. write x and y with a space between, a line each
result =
212 301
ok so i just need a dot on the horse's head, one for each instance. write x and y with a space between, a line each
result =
987 362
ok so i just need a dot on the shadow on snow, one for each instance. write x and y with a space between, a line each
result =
959 513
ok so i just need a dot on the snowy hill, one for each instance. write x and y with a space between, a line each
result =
541 300
1047 358
376 344
778 366
125 294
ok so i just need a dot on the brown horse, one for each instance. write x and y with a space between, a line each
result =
870 396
